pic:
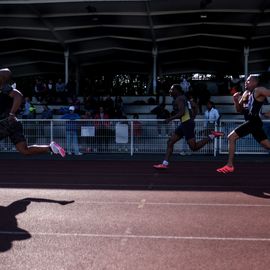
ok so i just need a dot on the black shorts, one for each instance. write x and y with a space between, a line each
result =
13 130
254 127
186 130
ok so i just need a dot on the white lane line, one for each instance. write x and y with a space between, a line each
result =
143 203
157 237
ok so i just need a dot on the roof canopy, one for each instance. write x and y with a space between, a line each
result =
119 36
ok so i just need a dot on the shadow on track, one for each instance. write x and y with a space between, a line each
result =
9 230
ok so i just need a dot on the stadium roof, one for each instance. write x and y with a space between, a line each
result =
119 36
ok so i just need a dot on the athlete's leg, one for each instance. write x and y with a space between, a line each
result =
232 138
170 145
265 143
23 148
228 168
195 146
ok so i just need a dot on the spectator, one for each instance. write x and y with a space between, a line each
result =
211 116
161 114
60 89
185 85
108 105
71 131
202 94
137 126
40 90
137 131
46 113
29 111
103 131
90 104
118 106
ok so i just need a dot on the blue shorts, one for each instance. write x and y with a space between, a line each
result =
186 129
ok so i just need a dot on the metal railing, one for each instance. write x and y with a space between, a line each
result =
125 136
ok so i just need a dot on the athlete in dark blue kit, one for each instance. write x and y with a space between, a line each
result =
249 104
10 102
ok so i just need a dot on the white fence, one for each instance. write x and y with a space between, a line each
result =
125 136
246 145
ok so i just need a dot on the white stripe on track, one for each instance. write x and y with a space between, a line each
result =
178 204
155 237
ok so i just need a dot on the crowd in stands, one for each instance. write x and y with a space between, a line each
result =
55 92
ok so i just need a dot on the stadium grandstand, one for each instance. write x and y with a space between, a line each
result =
72 53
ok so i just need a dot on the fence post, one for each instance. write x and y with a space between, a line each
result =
131 138
51 130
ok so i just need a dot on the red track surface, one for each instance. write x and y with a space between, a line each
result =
125 215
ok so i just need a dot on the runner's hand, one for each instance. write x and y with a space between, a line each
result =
12 118
236 96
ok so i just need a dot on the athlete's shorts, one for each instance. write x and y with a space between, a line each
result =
254 127
13 130
186 129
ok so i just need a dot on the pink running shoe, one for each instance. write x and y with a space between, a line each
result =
225 169
217 134
161 167
57 149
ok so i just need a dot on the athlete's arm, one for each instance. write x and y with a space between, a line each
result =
239 101
180 102
261 93
17 100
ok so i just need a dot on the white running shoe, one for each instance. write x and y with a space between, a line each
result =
57 149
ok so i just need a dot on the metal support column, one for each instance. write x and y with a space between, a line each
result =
246 55
154 79
66 54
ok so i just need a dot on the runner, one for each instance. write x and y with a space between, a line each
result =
183 108
249 104
10 102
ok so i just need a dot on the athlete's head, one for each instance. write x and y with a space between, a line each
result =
251 82
5 76
176 90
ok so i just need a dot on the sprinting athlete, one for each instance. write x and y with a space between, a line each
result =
183 109
249 104
10 102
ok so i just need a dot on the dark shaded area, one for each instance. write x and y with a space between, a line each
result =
251 176
119 36
9 230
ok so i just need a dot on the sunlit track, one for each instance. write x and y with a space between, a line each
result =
120 215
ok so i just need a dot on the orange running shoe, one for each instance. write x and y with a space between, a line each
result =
226 169
161 166
217 134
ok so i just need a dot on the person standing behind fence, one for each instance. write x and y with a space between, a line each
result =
103 131
10 102
211 116
249 104
161 114
183 107
72 131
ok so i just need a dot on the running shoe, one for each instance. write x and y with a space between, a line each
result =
160 166
226 169
57 149
217 133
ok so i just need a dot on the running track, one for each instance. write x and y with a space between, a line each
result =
127 216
